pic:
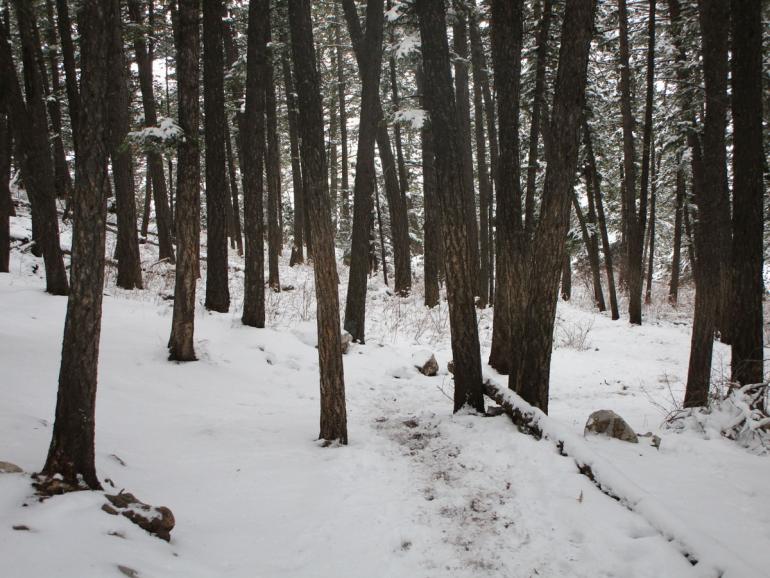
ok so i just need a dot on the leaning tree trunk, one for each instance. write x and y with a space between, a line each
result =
549 243
71 454
748 193
186 36
713 16
31 135
217 290
129 263
592 248
160 192
253 142
333 413
511 273
370 67
458 250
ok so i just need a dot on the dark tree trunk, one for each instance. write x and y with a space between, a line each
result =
233 180
463 103
458 249
6 202
345 225
70 70
273 171
147 201
382 236
653 203
370 66
532 379
538 102
187 40
253 142
71 453
592 247
31 135
144 60
399 220
510 278
61 169
129 263
297 251
748 193
217 290
595 198
566 277
333 413
432 255
676 259
485 185
634 220
713 16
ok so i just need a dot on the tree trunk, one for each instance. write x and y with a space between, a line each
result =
458 248
592 248
273 170
370 66
595 198
233 179
31 135
144 60
463 103
71 453
253 142
382 236
297 251
236 94
511 268
399 220
538 102
673 290
566 277
345 225
713 16
147 201
432 256
748 193
217 290
6 202
333 413
549 244
187 40
70 71
129 263
653 202
485 185
634 220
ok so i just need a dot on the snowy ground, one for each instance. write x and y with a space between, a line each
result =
228 443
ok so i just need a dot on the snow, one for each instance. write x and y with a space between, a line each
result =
228 443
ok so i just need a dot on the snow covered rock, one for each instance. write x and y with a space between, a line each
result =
425 362
9 468
607 422
156 520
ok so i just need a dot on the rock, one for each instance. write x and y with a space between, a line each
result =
425 362
607 422
128 571
9 468
156 520
347 339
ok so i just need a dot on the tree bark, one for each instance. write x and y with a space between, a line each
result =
217 290
676 259
253 142
144 60
592 246
71 453
187 40
713 16
458 249
370 67
432 255
748 193
70 71
31 135
129 263
651 228
333 422
532 379
345 225
6 202
511 267
233 180
273 170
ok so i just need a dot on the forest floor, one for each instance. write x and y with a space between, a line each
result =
228 443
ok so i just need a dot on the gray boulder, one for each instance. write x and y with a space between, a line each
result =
607 422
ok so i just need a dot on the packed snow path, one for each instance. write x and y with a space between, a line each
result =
228 444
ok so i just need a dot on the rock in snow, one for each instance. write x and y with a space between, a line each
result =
607 422
425 362
156 520
9 468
